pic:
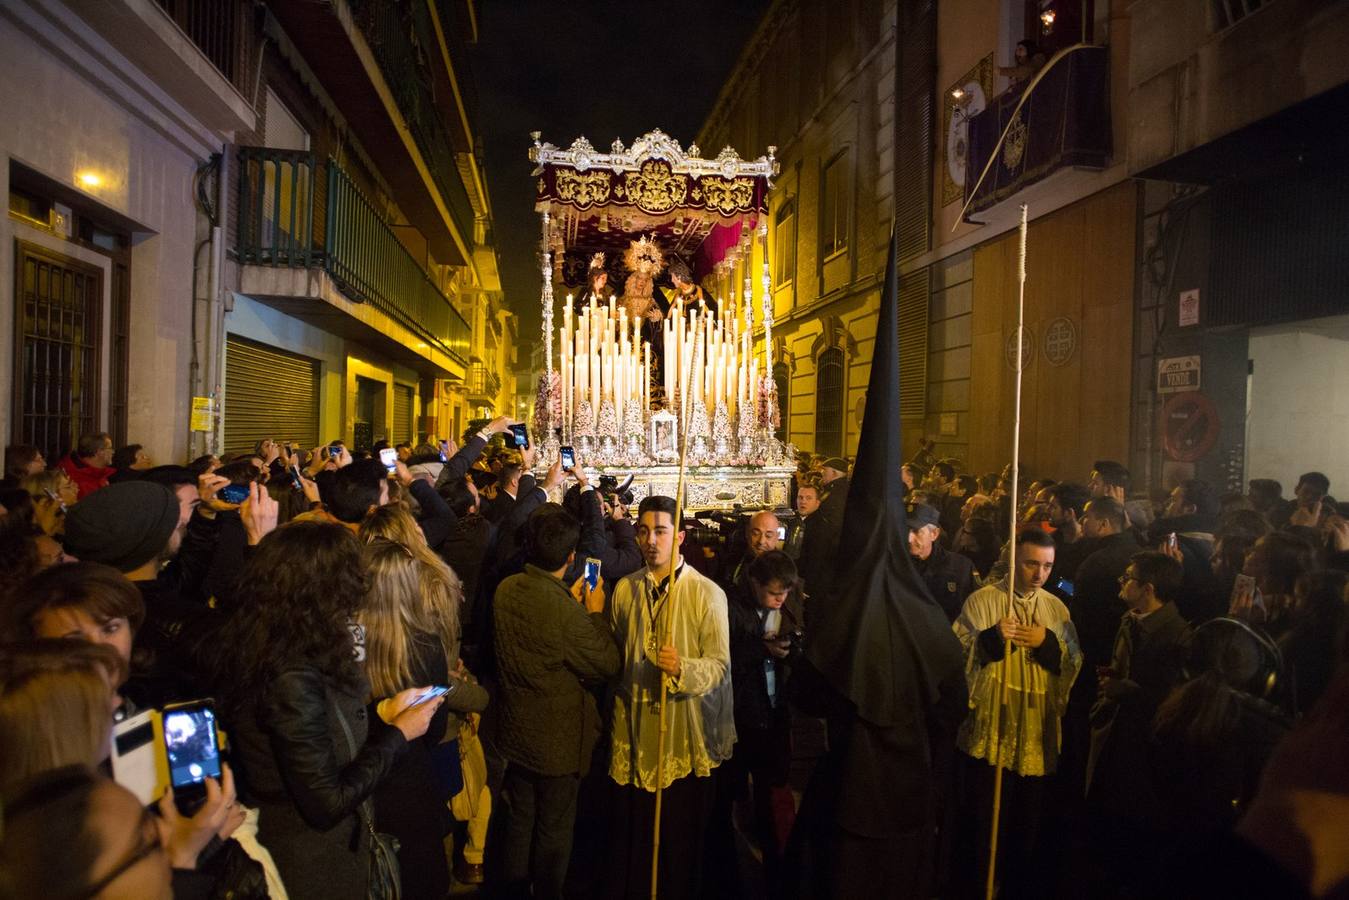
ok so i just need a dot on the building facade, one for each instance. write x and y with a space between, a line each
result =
817 83
859 98
235 220
1184 178
1243 322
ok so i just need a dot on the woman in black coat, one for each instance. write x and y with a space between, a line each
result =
294 702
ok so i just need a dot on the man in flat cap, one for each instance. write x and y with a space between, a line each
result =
949 576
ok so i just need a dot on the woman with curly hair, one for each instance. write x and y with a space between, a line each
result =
411 622
294 700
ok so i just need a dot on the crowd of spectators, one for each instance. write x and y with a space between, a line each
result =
446 664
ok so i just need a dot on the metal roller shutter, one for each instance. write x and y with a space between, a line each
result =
402 413
269 393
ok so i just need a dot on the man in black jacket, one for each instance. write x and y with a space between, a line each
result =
1191 514
949 576
1150 651
820 548
766 635
834 483
1095 606
607 533
549 651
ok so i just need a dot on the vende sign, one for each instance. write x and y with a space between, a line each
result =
1177 374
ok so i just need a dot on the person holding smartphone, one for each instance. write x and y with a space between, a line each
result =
411 622
294 699
69 688
607 534
552 647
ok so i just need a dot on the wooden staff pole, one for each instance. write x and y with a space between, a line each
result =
668 635
1011 558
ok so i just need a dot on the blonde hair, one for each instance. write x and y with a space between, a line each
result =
37 485
409 589
55 706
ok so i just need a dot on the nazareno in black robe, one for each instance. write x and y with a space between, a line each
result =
884 668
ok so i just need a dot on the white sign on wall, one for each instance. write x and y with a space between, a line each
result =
1177 374
1189 308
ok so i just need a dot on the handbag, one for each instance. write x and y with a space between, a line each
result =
384 881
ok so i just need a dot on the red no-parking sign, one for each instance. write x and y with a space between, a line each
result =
1190 426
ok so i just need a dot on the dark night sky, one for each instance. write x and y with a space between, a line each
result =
602 70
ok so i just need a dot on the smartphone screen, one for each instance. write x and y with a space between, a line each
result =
389 456
782 536
295 480
592 572
234 493
444 451
568 458
190 740
521 435
431 694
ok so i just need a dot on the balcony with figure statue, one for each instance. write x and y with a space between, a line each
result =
1058 119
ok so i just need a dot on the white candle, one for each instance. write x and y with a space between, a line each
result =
594 381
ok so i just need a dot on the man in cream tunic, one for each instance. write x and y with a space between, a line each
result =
699 713
1037 637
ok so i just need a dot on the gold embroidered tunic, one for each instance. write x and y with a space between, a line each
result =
700 719
1029 725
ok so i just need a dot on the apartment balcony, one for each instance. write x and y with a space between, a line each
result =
388 64
1064 123
483 384
311 245
202 53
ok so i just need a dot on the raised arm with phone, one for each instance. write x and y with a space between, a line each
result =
457 466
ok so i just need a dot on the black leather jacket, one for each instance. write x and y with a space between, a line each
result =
294 748
294 764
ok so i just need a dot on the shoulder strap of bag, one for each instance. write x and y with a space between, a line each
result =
365 811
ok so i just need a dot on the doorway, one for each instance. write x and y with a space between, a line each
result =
1298 418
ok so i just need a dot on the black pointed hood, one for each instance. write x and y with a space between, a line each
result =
881 640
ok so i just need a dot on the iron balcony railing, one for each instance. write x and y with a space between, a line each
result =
403 41
221 29
292 216
483 383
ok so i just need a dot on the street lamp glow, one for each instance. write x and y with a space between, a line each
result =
89 179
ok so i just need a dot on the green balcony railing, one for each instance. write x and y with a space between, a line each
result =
276 207
403 41
283 223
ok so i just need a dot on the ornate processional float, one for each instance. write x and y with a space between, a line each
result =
641 366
